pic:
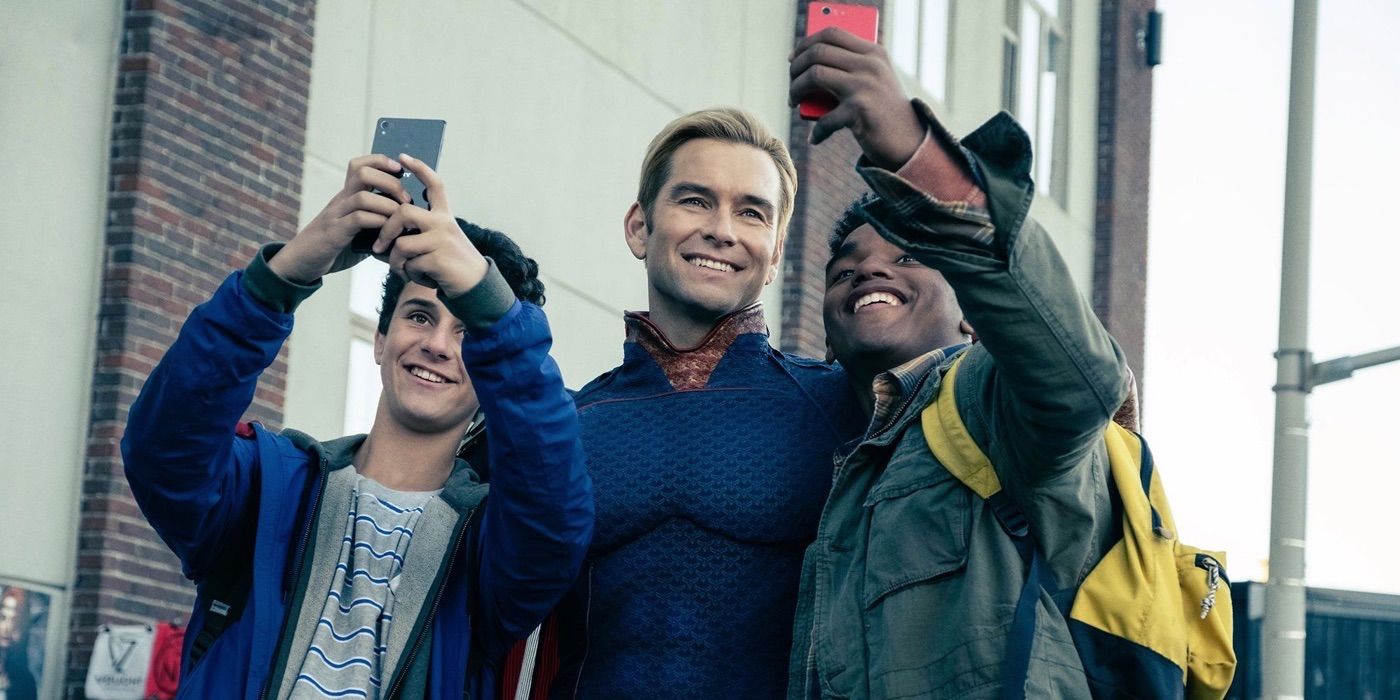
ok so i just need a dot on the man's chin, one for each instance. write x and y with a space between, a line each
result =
874 354
426 423
713 308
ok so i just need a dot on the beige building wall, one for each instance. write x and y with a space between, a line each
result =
50 269
550 105
974 95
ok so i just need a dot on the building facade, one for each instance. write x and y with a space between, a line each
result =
175 136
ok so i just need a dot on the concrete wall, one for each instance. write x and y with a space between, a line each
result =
974 95
49 272
51 237
550 105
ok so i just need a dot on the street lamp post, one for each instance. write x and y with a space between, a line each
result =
1283 642
1284 601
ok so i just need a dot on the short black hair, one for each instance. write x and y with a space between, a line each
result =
521 273
857 214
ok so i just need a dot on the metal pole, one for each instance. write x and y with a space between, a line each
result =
1343 367
1284 632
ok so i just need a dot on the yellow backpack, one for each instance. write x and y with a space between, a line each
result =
1153 618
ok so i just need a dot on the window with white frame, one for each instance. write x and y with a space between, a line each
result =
1035 57
362 385
917 35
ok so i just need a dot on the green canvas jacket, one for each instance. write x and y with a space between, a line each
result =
908 590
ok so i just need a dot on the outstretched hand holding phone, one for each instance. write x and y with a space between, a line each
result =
428 247
869 98
423 246
323 246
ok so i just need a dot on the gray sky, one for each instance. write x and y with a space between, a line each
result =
1218 152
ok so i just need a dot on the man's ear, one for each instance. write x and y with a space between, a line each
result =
966 329
378 348
634 227
777 262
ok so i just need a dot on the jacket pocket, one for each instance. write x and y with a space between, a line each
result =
919 530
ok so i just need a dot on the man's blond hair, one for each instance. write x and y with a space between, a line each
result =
724 124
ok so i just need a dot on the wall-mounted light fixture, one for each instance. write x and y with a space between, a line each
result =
1152 39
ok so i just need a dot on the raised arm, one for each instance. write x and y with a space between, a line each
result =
192 478
1054 372
538 518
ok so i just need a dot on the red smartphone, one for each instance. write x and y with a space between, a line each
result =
860 20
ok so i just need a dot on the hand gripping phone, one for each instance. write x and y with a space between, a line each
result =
859 20
420 138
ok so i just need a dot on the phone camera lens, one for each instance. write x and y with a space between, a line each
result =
384 126
826 10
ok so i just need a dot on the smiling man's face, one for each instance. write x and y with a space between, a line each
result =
426 387
883 308
710 241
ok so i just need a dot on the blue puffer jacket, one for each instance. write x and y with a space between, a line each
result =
227 502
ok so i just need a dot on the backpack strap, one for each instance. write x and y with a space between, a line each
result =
955 448
952 444
226 588
1016 666
228 596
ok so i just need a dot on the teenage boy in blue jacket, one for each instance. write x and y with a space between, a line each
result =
306 544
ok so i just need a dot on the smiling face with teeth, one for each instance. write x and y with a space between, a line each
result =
883 308
710 240
426 387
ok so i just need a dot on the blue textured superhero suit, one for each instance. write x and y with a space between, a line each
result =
710 467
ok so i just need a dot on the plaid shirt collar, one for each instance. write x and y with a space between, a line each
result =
891 386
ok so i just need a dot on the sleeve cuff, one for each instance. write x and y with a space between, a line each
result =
482 305
913 195
271 290
934 169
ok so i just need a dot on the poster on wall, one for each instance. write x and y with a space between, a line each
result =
24 633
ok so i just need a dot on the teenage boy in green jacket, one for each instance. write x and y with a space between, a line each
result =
910 587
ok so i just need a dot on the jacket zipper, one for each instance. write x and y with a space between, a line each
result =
407 661
899 413
841 463
301 551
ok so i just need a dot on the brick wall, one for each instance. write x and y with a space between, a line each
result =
827 182
1123 164
206 158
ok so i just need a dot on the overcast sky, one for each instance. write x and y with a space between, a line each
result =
1218 153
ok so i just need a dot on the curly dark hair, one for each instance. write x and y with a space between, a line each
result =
521 273
853 217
